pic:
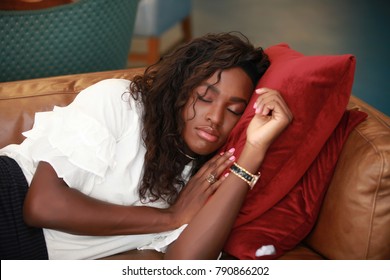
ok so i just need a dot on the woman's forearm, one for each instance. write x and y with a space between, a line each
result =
50 203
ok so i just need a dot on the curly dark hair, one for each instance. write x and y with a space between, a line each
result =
164 89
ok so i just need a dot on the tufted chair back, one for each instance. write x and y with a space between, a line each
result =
84 36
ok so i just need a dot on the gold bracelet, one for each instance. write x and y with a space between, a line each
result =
242 173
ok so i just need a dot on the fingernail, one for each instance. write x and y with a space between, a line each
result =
257 111
221 153
232 150
260 90
232 158
226 174
254 105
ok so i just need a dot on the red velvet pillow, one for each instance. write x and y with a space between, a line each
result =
317 90
293 217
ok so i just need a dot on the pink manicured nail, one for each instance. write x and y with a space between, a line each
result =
232 150
226 174
232 158
221 153
260 90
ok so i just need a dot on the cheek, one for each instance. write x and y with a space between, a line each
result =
188 111
188 117
230 123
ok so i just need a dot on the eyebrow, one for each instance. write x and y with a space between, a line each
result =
234 99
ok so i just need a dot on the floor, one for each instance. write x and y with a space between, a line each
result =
358 27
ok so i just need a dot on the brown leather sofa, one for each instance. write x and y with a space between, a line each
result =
354 222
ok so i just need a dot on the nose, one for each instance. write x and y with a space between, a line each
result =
216 114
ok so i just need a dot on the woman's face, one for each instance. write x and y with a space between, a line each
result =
213 110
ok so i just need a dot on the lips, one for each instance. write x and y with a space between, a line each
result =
207 133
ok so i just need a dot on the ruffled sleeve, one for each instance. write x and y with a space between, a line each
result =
79 140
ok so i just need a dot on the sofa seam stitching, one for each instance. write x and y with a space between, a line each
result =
376 189
38 95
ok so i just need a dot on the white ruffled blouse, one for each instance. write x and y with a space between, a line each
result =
95 145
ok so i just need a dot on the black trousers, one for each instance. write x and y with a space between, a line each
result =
18 241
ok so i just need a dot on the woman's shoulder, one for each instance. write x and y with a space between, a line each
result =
108 85
105 92
113 82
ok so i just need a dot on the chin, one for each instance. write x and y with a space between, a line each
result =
204 151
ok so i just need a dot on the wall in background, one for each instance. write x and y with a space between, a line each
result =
358 27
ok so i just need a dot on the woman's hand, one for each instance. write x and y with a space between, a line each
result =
272 116
200 187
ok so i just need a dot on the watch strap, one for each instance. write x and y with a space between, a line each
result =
242 173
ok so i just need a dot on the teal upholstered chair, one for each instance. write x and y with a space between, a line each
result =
154 18
84 36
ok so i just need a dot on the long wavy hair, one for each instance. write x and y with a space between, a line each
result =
164 89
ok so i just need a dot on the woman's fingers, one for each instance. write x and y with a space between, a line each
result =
201 186
272 116
210 176
270 100
217 164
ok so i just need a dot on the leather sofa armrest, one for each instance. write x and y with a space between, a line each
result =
354 221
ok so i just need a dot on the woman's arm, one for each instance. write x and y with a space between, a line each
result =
205 236
51 203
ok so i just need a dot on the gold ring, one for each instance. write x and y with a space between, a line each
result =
211 178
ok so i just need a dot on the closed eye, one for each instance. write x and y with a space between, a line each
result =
235 113
204 98
237 109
